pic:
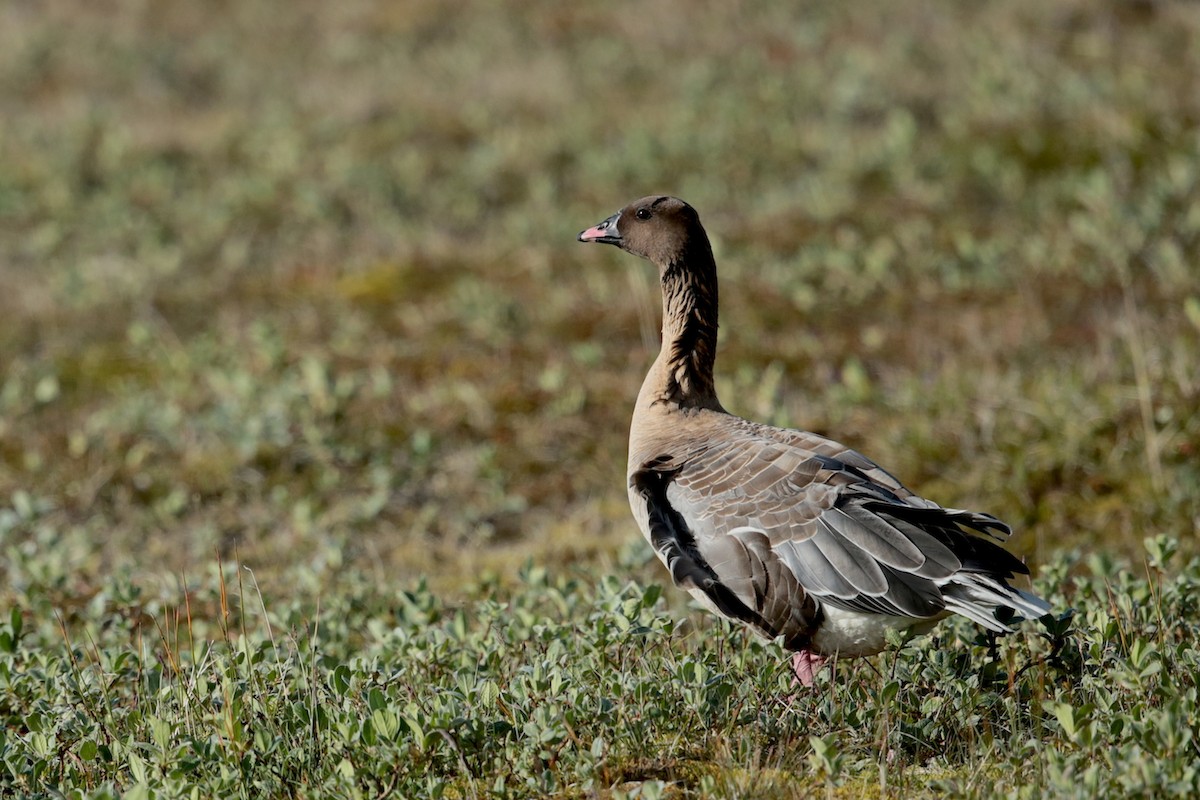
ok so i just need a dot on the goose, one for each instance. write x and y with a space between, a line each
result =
799 538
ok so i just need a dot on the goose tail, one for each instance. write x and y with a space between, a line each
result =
991 602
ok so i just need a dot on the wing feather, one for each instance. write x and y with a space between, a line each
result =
846 530
883 541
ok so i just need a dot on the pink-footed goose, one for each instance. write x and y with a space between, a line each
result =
788 532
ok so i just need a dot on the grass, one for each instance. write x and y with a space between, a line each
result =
298 292
569 684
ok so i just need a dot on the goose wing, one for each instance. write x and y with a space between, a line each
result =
843 529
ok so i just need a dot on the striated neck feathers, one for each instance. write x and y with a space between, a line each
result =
689 334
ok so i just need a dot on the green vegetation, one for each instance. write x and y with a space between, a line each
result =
294 288
577 685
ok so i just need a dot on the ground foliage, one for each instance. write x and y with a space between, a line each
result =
574 685
297 290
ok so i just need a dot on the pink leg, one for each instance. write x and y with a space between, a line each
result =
805 664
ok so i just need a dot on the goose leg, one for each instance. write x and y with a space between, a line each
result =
806 663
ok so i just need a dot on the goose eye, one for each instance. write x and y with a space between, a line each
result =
643 213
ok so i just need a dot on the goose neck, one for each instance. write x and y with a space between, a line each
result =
689 334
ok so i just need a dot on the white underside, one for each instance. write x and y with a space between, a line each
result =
854 633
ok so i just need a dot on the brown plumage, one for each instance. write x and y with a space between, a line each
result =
790 533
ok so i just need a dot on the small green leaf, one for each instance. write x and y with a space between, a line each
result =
489 693
367 733
141 791
1066 718
386 723
418 731
137 768
598 747
340 679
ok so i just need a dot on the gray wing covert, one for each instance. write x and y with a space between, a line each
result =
848 532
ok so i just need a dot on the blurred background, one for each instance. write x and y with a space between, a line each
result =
297 283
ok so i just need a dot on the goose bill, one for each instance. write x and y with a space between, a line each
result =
605 232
